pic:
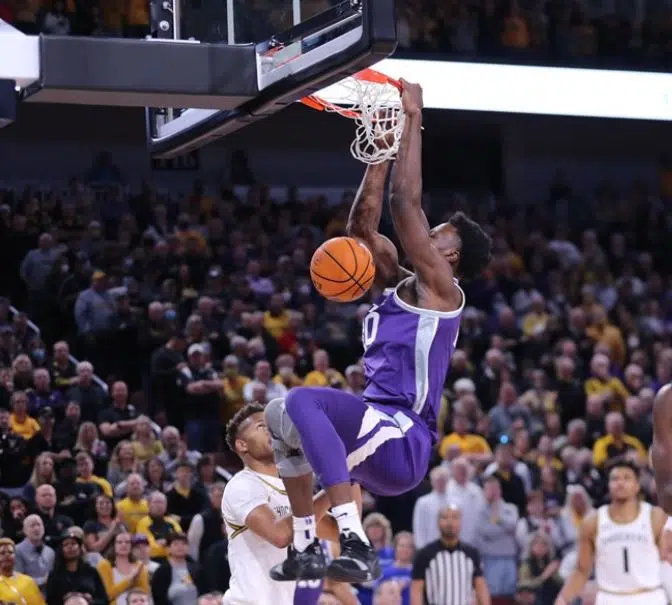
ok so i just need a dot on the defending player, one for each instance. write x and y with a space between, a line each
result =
623 540
256 512
382 441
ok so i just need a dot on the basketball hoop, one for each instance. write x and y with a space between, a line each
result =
373 101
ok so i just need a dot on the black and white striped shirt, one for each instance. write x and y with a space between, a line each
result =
448 573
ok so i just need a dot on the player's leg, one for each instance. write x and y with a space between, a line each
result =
330 432
305 440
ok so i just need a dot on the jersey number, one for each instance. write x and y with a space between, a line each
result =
626 561
370 328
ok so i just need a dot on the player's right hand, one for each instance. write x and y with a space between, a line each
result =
411 97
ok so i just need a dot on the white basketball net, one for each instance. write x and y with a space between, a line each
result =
378 115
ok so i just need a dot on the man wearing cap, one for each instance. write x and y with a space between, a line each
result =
141 551
44 440
202 388
15 587
513 475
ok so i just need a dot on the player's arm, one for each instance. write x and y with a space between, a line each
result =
658 521
584 564
434 272
279 532
364 221
661 450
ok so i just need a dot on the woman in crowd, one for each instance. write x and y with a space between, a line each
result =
177 581
43 472
400 570
539 570
123 462
106 524
379 532
72 574
12 518
145 443
156 476
121 572
88 441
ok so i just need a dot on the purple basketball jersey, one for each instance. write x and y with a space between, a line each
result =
407 355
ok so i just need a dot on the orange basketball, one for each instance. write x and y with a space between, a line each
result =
342 269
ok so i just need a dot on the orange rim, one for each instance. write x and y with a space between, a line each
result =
368 75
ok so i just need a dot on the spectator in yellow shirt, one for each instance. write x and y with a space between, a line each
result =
616 442
85 474
473 447
602 383
600 330
145 443
323 375
133 507
276 319
15 587
285 364
20 422
157 527
535 321
233 385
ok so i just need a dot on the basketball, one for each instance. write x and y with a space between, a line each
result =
342 269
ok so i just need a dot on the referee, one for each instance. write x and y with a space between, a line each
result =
448 572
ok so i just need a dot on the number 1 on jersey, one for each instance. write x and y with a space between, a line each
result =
626 562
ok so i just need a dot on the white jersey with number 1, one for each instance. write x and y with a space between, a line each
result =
627 560
251 557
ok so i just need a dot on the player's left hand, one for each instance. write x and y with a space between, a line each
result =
411 98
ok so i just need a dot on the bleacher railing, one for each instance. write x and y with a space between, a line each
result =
222 473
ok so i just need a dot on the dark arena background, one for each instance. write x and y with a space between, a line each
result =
161 195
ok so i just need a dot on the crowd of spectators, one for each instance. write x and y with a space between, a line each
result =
587 33
188 308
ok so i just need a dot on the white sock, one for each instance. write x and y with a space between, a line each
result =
347 518
304 532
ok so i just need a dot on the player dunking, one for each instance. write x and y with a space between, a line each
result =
383 440
623 540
